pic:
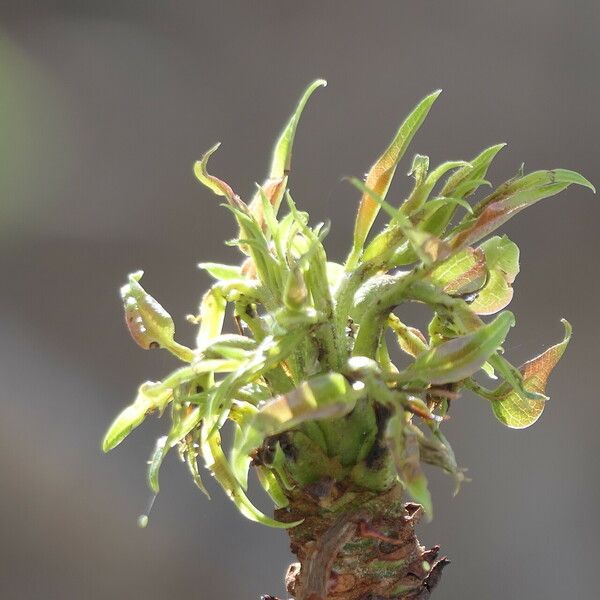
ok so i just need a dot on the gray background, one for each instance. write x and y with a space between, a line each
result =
103 108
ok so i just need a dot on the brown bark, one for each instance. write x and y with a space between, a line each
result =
358 546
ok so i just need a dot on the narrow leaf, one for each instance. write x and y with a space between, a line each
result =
381 173
220 468
509 199
222 272
151 397
404 447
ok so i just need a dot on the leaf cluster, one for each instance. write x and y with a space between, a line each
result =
310 345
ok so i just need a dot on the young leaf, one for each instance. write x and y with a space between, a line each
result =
179 431
459 357
274 187
323 397
509 199
216 185
212 314
222 272
282 154
435 450
404 447
217 464
150 325
502 262
410 339
152 396
463 273
514 409
380 175
466 180
426 247
424 186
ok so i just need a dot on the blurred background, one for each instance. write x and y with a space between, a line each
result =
104 106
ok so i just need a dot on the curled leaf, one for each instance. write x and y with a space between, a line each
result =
151 397
410 339
149 324
463 273
516 410
217 464
502 263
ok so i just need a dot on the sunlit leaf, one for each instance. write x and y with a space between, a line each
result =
268 481
381 173
509 199
502 263
426 247
514 409
151 397
217 464
221 272
410 339
462 356
212 313
179 430
150 325
274 187
463 273
466 180
323 397
424 185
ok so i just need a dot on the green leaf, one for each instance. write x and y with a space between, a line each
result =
460 357
229 345
502 262
427 247
509 199
151 397
269 483
149 324
466 180
179 430
158 455
191 459
424 186
435 450
410 339
381 173
322 397
463 273
404 447
282 154
217 464
212 314
517 411
222 272
274 187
